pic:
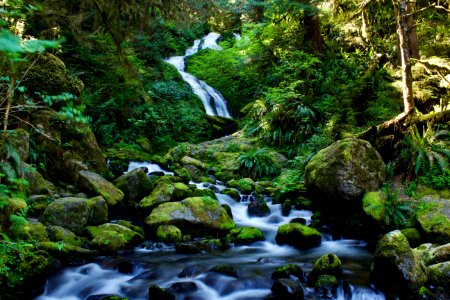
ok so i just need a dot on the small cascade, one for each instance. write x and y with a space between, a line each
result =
156 263
213 101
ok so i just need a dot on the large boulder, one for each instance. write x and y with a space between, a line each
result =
110 237
135 185
328 264
76 213
198 216
68 148
345 171
93 184
439 275
298 236
245 235
433 216
168 234
395 269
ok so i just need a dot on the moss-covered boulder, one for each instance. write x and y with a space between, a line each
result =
60 234
245 235
37 205
413 235
95 185
430 254
374 207
168 234
439 275
232 193
258 207
198 216
186 160
328 264
433 216
68 253
298 236
164 191
225 270
135 185
345 171
69 148
37 185
287 271
76 213
49 75
326 287
109 238
395 269
245 185
287 289
29 231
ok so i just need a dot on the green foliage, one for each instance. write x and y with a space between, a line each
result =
258 164
395 210
425 151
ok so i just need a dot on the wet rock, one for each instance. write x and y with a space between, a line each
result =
395 269
110 238
245 185
198 216
149 275
155 292
299 221
298 235
344 171
288 271
434 254
183 287
245 235
60 234
191 271
433 216
93 184
187 248
225 270
135 185
328 264
76 213
186 160
168 234
326 287
413 235
232 193
287 289
258 207
439 275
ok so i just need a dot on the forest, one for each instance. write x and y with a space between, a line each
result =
224 149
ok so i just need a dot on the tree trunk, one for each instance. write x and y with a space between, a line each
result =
413 43
403 33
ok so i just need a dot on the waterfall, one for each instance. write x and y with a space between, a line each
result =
213 101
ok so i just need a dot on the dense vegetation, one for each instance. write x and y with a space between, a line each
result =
300 76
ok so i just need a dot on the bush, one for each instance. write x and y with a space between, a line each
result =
258 164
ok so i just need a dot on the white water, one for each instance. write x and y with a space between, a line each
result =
213 101
149 166
158 264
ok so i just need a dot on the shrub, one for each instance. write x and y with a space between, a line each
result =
258 164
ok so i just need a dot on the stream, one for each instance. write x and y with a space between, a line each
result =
157 263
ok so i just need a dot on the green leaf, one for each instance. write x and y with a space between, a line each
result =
9 43
39 45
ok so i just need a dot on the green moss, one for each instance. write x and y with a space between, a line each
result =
439 275
225 270
94 184
245 235
59 234
298 235
112 237
245 185
434 219
232 193
131 226
168 234
374 206
413 235
164 192
287 271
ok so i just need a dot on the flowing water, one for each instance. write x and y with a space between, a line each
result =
213 101
156 263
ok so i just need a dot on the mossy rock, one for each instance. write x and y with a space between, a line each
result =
37 205
439 275
60 234
68 253
288 289
413 235
430 254
184 174
95 185
287 271
49 75
225 270
245 235
73 148
395 269
326 287
197 216
345 171
328 264
131 226
206 179
433 216
298 236
374 206
163 192
186 160
203 193
168 234
76 213
156 292
29 231
110 238
258 206
245 185
135 185
232 193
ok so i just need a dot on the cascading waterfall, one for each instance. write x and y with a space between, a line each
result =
156 263
213 101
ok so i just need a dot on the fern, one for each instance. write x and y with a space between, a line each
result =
258 164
